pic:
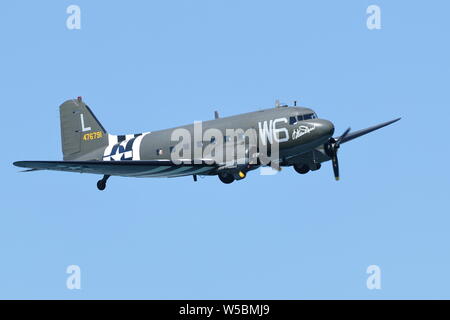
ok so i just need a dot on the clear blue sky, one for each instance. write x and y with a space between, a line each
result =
144 65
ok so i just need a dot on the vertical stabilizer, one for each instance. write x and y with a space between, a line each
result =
82 135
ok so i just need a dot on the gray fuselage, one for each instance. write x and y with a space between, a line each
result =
295 137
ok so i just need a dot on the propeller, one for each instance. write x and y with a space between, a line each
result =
331 148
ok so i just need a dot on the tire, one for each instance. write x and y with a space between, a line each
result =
302 169
101 185
226 178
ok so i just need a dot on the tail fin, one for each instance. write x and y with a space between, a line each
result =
83 137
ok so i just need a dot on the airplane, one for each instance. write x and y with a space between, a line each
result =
293 135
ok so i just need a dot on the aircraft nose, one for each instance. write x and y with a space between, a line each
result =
326 127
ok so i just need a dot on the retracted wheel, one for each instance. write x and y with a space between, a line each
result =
302 169
226 178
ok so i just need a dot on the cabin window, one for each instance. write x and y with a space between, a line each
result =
292 120
159 152
226 138
213 140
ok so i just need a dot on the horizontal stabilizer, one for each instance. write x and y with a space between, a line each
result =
29 170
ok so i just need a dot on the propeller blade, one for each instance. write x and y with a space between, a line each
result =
333 146
335 162
342 137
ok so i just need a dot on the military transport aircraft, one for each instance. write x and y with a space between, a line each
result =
302 140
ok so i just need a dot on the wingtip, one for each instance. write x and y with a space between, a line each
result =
393 121
20 164
24 164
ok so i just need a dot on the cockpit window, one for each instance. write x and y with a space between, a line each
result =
292 120
307 116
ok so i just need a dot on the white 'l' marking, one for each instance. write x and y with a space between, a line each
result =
83 128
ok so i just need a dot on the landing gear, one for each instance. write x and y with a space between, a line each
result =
226 178
101 184
301 168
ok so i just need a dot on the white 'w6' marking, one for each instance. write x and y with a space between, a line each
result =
269 131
